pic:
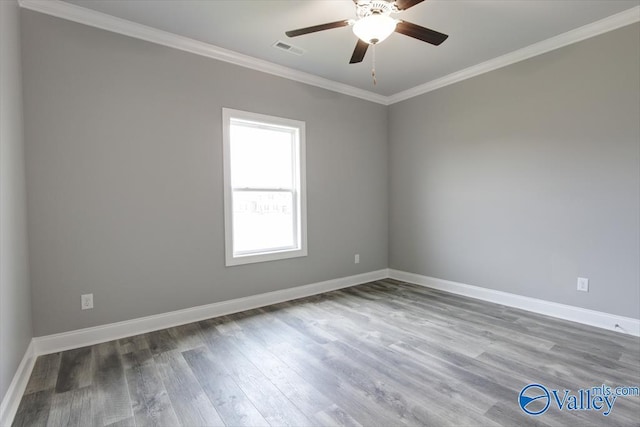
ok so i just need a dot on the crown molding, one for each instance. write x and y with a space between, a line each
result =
103 21
610 23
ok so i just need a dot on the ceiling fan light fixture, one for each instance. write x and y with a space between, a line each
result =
374 28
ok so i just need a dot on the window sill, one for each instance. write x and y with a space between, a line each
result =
264 257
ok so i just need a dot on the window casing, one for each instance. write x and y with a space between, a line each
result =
264 187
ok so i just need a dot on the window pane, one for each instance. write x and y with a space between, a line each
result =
261 158
262 220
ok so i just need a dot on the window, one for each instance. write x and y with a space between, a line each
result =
264 187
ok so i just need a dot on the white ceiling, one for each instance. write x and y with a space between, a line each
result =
479 30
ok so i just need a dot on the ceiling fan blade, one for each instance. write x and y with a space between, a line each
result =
316 28
420 33
359 52
406 4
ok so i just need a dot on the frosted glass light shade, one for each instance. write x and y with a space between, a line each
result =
375 28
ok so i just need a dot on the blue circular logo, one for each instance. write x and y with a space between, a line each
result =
534 399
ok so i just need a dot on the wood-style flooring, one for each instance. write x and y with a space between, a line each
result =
385 353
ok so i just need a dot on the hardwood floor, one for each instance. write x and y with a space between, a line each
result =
385 353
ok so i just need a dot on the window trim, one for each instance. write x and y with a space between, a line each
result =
299 191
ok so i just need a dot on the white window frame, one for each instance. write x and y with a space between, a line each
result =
299 190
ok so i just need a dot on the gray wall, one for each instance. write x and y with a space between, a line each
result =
517 180
15 294
527 177
124 176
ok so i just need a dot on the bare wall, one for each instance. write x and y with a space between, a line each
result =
527 177
124 176
15 294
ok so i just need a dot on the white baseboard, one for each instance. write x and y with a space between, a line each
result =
12 397
585 316
89 336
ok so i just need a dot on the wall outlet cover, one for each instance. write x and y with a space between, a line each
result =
86 301
583 284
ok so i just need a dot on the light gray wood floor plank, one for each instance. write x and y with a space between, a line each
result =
150 402
111 394
232 404
34 409
45 373
276 408
71 408
189 401
75 370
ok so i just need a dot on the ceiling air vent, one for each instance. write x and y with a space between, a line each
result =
288 48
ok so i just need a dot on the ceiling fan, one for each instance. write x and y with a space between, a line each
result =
374 24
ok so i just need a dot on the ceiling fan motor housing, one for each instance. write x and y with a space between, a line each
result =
366 8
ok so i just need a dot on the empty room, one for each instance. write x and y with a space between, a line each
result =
319 212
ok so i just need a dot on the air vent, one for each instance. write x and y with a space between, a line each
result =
288 48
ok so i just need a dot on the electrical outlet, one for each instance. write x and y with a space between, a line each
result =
356 259
583 284
86 301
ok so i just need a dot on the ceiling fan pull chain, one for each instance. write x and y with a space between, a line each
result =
373 66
